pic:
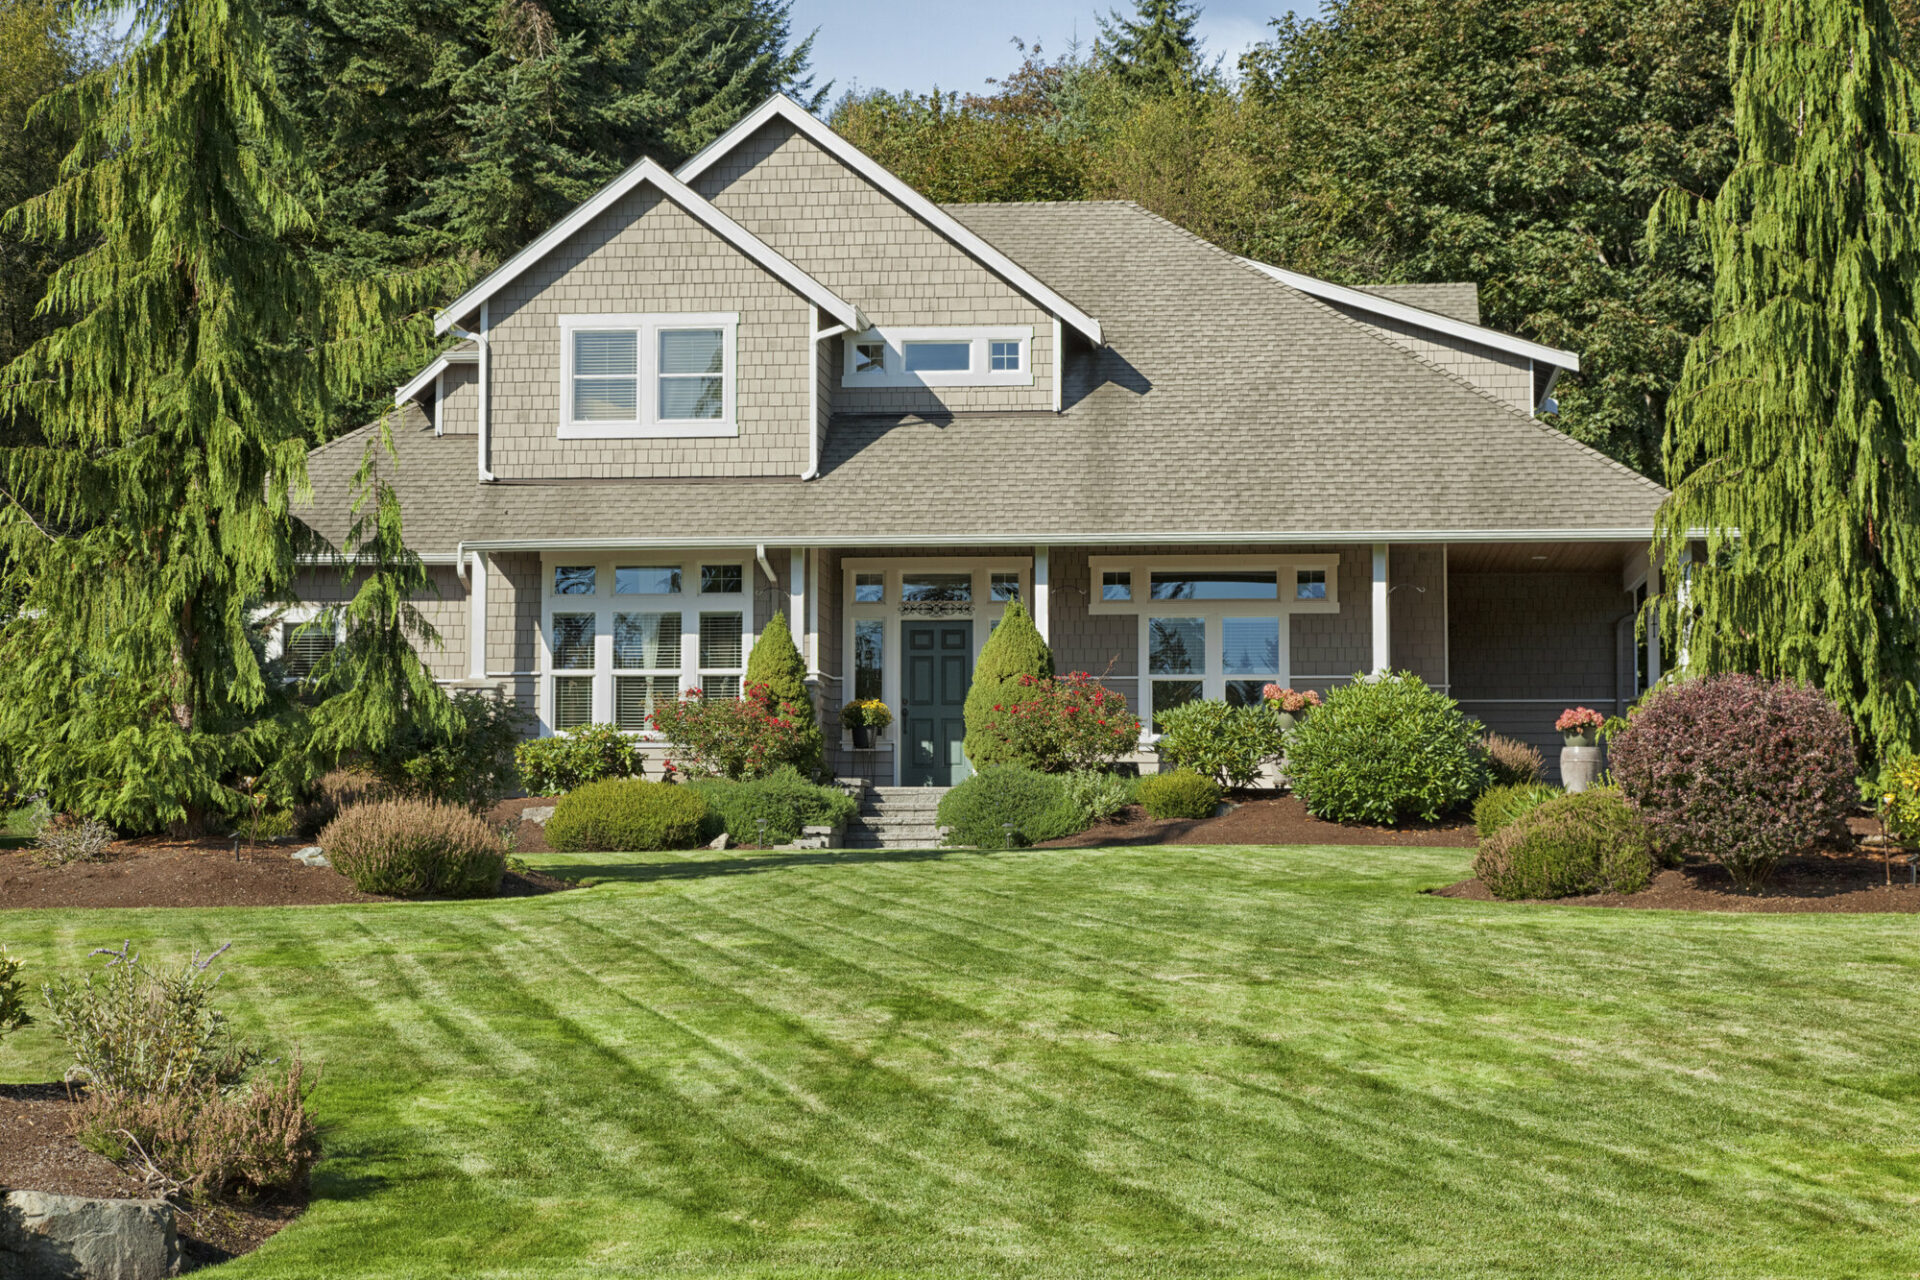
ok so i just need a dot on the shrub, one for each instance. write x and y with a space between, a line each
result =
1512 763
143 1031
1036 805
13 995
738 738
1500 806
621 815
1591 842
775 662
1097 794
472 765
1384 750
784 799
1015 649
416 849
66 838
1181 793
1065 723
1227 744
1898 799
336 790
586 753
1743 770
204 1142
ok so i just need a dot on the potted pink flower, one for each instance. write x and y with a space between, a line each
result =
1580 726
1291 705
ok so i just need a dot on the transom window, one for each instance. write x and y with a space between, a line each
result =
646 580
955 356
1310 584
1216 584
573 580
720 579
869 588
936 587
1004 586
938 357
647 375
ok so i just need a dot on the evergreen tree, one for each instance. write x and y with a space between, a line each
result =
776 663
1015 649
1791 439
201 352
1155 51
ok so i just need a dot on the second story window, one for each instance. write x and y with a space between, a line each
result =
641 376
944 356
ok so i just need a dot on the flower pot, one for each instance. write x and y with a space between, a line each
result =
1579 765
862 737
1287 721
1581 737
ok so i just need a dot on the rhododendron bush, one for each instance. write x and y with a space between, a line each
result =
1059 723
738 738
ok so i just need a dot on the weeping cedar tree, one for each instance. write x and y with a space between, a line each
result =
200 348
1790 438
1015 649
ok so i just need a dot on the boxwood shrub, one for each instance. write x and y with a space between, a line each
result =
1591 842
784 799
1383 750
416 849
1179 793
622 815
1037 805
1498 807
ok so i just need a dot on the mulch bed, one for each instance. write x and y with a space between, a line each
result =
1262 819
528 837
159 872
38 1154
1837 881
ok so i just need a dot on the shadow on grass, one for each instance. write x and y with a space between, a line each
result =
701 868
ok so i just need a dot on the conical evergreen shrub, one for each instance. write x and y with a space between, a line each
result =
776 662
1015 649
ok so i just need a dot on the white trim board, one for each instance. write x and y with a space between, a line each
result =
785 108
1326 291
648 172
1114 537
459 355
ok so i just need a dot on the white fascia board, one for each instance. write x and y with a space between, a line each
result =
1329 292
693 203
922 208
1640 534
459 355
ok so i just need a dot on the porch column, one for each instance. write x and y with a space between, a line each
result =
477 616
797 598
1040 590
1653 623
1382 633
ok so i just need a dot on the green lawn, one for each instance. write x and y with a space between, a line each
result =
1164 1062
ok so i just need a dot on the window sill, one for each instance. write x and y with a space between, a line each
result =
648 430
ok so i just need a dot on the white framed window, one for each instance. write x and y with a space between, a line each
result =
622 636
627 376
949 356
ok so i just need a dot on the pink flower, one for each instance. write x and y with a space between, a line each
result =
1579 720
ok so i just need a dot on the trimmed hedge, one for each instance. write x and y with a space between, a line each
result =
416 849
1383 750
1591 842
785 799
1499 807
1181 793
1036 804
627 815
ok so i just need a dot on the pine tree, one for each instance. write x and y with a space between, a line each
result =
1791 438
202 350
776 663
1155 51
1015 649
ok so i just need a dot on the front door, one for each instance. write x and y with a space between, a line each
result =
939 667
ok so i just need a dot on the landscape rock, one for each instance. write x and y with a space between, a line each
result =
51 1237
721 841
311 856
538 815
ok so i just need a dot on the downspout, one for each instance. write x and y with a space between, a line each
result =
766 566
813 399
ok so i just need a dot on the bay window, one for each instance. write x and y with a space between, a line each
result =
644 376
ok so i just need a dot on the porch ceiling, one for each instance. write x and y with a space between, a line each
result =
1538 557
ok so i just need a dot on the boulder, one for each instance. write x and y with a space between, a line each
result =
51 1237
538 814
311 856
721 841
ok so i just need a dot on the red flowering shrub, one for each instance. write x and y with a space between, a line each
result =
738 738
1743 770
1060 723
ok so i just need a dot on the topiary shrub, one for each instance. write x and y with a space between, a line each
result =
1037 806
776 663
585 753
1591 842
784 799
626 815
1512 763
1499 807
416 849
1015 649
1181 793
1228 744
1383 750
1742 770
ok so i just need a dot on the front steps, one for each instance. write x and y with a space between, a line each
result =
896 818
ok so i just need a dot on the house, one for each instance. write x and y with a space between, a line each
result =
778 379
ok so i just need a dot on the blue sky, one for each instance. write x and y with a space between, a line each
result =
958 44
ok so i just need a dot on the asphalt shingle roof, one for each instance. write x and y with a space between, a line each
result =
1225 404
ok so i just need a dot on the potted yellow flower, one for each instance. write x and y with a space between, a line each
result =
865 718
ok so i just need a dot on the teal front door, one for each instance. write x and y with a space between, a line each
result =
939 667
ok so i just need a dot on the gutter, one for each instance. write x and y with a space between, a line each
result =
1641 533
814 430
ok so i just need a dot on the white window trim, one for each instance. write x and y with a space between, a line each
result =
986 612
648 425
272 622
690 603
979 373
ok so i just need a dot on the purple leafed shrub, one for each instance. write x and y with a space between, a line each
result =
1743 770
